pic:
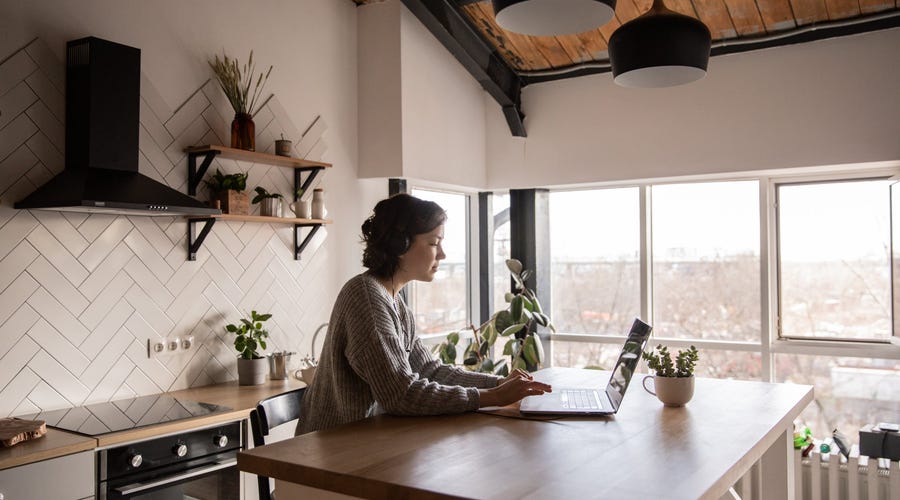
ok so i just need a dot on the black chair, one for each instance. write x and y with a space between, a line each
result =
269 413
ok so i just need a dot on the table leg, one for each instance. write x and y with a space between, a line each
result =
777 469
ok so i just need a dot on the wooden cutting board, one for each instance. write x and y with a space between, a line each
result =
15 430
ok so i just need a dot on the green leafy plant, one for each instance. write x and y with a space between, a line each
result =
236 81
250 335
262 194
219 182
661 361
517 322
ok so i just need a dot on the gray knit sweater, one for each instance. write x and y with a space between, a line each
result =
372 362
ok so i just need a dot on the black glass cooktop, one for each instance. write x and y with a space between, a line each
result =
124 414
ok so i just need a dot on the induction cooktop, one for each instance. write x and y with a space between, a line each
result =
124 414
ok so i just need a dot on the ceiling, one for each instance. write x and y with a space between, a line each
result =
503 61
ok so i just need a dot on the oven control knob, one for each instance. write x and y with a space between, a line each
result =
221 440
180 449
136 460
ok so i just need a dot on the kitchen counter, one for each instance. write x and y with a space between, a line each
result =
54 444
240 398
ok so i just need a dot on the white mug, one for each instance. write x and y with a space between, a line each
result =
301 209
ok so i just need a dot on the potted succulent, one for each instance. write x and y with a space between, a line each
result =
517 322
673 381
250 336
228 191
236 82
269 203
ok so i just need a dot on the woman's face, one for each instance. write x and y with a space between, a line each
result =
420 262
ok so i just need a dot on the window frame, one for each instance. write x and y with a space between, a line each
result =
473 297
769 343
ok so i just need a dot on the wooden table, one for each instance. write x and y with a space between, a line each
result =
645 451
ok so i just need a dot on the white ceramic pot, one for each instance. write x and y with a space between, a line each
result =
672 391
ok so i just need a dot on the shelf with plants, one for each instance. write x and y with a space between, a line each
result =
206 154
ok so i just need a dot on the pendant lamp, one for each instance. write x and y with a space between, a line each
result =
552 17
660 48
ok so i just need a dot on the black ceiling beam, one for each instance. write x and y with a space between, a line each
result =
447 24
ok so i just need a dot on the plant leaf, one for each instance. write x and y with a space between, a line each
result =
514 266
529 351
503 320
515 308
453 338
513 329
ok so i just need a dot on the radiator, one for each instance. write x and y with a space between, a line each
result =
831 476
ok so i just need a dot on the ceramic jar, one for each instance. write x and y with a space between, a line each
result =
318 204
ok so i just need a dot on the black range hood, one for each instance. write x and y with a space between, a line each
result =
103 86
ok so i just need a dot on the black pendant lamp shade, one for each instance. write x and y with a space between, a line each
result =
552 17
660 48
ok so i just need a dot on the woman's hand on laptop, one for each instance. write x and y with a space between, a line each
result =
516 386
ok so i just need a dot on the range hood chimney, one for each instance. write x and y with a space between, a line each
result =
103 87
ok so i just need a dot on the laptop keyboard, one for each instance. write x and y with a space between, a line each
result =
579 399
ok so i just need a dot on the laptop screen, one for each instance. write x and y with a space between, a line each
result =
628 361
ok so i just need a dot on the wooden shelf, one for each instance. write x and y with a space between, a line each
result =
271 220
300 166
254 157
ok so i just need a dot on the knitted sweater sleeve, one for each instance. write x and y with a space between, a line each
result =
376 350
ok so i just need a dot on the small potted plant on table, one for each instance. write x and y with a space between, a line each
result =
250 336
227 192
674 381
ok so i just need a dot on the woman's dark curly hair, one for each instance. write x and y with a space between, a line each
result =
390 230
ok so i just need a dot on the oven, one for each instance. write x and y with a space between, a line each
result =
196 464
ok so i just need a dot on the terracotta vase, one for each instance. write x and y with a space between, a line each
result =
243 132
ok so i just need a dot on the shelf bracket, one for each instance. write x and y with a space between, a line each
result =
195 241
298 249
196 174
298 171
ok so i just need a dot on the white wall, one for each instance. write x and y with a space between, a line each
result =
822 103
64 340
440 133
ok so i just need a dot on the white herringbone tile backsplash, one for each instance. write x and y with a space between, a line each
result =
81 294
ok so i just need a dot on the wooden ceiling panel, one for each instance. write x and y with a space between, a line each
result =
809 11
727 20
776 15
745 17
842 9
714 15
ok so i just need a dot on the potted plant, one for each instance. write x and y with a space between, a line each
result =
228 191
236 82
673 381
250 336
269 203
517 322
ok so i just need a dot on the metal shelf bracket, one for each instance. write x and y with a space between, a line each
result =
195 240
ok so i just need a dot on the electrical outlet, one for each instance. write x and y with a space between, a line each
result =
187 343
155 347
173 344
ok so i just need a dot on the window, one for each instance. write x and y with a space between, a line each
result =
595 261
706 279
501 250
442 305
834 260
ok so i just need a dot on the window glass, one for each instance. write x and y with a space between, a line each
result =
595 260
442 305
705 260
849 392
501 251
834 260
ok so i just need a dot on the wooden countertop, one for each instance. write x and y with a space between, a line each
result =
241 398
54 444
645 451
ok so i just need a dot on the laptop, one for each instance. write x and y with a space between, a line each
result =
598 401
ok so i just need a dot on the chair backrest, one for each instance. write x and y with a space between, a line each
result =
272 412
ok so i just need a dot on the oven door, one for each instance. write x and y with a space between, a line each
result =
212 478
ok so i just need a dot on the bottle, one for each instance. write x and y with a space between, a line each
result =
318 204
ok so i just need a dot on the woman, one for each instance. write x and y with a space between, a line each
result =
372 362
